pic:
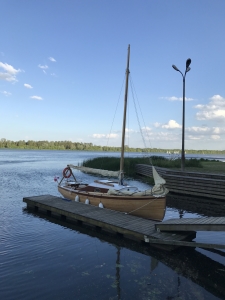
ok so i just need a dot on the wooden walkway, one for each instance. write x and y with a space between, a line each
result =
193 224
108 220
189 183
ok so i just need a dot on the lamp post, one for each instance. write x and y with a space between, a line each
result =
188 62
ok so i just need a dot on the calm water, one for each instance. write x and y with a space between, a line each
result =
42 258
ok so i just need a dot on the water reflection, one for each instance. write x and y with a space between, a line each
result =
201 206
45 258
197 265
118 266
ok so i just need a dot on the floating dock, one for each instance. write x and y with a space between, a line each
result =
129 226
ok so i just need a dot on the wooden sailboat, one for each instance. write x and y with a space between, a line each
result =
114 194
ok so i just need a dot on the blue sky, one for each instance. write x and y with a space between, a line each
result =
62 68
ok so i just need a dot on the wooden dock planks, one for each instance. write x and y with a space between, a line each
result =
193 224
93 215
130 226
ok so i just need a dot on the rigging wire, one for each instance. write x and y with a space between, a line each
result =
134 96
135 106
118 100
115 111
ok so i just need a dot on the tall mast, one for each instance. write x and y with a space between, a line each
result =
124 120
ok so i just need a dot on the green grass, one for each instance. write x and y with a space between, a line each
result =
210 167
113 164
191 165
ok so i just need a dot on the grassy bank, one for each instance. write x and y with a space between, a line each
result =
208 166
191 165
196 165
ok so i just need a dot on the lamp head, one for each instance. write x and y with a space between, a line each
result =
175 68
188 62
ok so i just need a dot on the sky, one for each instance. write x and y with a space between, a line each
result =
63 62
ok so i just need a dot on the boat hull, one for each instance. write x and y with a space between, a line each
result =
148 207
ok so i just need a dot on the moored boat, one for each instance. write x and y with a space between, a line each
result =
115 194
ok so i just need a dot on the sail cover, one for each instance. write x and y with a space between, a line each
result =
106 173
158 189
157 178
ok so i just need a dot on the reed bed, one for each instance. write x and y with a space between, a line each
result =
113 163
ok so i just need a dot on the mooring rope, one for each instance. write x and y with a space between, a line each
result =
140 207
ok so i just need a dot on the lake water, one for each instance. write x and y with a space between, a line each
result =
43 258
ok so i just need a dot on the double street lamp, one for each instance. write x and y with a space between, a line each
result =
188 62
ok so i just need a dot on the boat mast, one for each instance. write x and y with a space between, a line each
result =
124 120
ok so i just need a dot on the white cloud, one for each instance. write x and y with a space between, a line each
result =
28 86
195 129
202 138
6 93
215 110
173 98
10 72
157 124
217 99
172 124
218 130
98 136
127 130
36 97
52 59
109 136
218 114
9 69
43 67
165 136
193 137
146 130
215 137
7 77
205 133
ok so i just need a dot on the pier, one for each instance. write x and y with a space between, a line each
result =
205 185
193 224
128 226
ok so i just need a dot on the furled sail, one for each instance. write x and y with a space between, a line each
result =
157 178
106 173
159 188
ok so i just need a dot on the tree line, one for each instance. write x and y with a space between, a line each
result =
68 145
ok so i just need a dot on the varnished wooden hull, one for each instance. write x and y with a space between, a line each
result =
148 207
